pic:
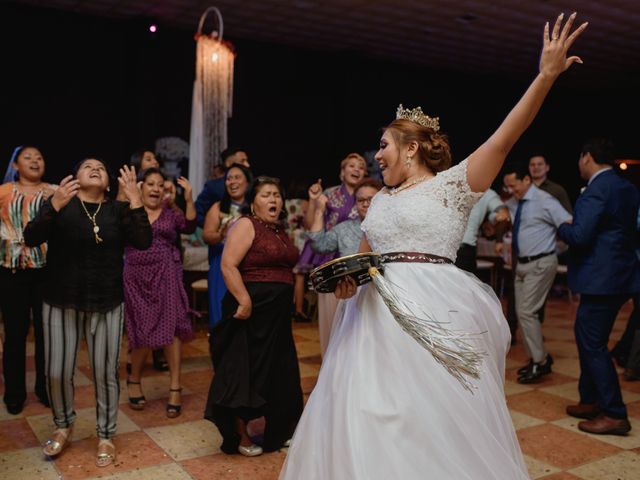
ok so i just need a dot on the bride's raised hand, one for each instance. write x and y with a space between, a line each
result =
553 59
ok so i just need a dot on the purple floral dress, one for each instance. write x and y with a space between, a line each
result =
340 207
156 304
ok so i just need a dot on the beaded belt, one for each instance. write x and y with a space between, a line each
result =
412 257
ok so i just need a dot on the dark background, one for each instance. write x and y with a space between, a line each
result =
78 86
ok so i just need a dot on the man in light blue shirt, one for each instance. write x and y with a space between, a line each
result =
489 204
535 216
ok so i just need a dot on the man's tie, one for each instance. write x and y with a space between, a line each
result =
516 229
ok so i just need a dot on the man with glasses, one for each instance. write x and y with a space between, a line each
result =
345 236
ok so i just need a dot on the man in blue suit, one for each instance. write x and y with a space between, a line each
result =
604 270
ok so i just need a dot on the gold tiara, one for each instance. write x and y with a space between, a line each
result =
418 116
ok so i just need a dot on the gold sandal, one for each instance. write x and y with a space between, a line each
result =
57 442
106 453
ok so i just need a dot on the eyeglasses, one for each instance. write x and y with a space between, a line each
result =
362 201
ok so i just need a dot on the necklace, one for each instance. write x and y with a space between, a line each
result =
271 227
29 190
396 190
96 228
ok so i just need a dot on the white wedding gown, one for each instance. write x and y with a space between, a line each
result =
383 408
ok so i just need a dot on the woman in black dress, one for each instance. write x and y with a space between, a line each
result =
254 356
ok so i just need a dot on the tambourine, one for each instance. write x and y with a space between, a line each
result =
325 278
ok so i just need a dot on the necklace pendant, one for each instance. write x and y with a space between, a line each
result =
96 229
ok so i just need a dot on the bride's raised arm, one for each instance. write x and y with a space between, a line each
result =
487 160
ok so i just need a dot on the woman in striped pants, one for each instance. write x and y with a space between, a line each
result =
86 233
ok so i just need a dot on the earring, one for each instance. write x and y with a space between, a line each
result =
407 162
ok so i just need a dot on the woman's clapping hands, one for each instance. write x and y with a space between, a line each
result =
67 189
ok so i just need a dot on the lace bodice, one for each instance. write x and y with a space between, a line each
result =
429 218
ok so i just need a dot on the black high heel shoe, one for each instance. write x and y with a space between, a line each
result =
174 411
136 403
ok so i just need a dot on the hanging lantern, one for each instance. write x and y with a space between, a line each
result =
212 100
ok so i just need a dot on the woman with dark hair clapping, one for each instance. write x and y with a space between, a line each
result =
156 304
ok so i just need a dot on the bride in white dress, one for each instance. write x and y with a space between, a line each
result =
383 408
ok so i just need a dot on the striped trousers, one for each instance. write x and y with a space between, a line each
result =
63 330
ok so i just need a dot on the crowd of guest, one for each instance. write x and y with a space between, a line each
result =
76 262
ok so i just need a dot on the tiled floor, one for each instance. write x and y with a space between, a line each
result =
151 446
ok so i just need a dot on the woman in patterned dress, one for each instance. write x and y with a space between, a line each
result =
156 304
340 206
383 406
21 274
141 160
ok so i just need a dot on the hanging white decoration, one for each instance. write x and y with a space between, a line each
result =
212 101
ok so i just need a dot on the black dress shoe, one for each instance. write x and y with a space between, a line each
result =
14 408
527 367
536 371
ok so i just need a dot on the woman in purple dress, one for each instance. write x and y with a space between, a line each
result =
340 206
156 304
